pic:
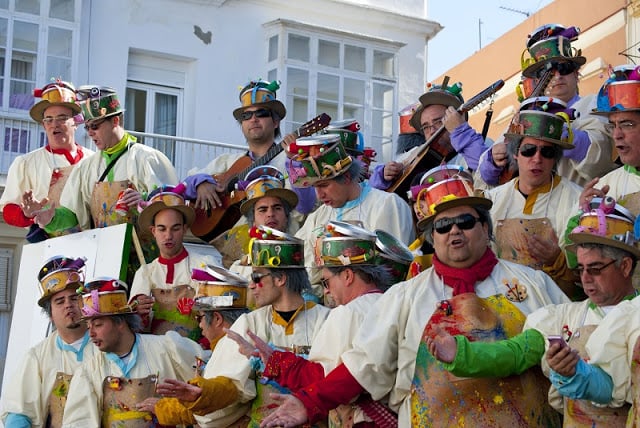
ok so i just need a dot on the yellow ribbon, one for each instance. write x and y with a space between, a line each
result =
565 117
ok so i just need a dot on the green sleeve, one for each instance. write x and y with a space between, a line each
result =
63 219
497 359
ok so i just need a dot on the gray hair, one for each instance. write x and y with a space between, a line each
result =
608 251
378 275
133 321
297 279
229 315
483 214
356 171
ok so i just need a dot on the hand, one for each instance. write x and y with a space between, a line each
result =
392 170
286 143
545 250
207 195
260 348
131 197
589 192
291 413
499 155
143 304
148 405
443 347
44 216
562 359
30 206
452 119
178 389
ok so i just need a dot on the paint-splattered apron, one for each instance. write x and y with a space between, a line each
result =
166 316
103 203
120 398
57 399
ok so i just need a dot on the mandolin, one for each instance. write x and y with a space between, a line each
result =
428 155
208 224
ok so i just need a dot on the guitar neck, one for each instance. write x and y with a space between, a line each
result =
273 151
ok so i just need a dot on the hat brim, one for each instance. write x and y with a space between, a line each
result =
471 201
589 238
285 194
596 112
533 69
519 137
145 220
70 286
274 105
37 111
429 99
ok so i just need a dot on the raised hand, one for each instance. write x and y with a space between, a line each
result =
291 413
31 206
178 389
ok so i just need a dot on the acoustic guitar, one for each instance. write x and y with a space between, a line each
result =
428 156
208 224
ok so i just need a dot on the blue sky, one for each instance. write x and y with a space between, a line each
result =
460 37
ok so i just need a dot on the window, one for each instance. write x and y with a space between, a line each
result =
6 261
344 75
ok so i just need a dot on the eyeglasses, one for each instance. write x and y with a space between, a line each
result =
563 68
246 115
594 271
198 318
257 277
529 151
433 127
93 126
624 125
464 222
325 282
61 118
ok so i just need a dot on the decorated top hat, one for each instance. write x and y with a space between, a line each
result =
437 95
541 126
350 136
98 102
450 186
275 249
103 297
608 224
343 244
621 91
263 181
259 93
58 93
320 157
219 289
60 273
165 197
393 254
405 118
549 43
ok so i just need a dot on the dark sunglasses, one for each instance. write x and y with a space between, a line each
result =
93 126
261 113
464 222
563 68
529 151
257 277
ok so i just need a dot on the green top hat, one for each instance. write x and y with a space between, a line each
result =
98 102
549 43
541 126
276 249
318 158
259 93
343 244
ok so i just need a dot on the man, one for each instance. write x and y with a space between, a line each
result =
214 318
532 210
43 172
551 51
283 319
607 255
468 290
119 172
161 283
36 395
259 116
355 284
326 167
623 115
106 388
437 108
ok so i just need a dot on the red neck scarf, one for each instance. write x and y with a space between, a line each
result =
463 280
170 263
67 154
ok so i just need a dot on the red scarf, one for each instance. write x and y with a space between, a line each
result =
170 263
67 154
464 280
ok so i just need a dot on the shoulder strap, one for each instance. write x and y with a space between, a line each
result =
112 164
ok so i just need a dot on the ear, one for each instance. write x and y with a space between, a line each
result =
349 276
218 319
279 281
626 266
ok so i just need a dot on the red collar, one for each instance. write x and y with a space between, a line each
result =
67 154
170 263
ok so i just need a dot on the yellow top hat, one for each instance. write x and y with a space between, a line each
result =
103 297
58 93
219 289
263 181
259 93
161 199
60 273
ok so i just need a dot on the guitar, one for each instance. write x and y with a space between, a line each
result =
208 224
430 153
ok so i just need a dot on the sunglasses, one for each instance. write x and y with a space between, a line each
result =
325 282
58 119
464 222
261 113
563 68
93 126
594 271
257 277
529 151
